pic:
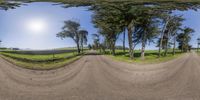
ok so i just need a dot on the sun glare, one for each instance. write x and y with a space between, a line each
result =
36 26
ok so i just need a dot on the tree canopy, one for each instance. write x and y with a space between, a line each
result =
158 4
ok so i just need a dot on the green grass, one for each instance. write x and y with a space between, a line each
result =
40 62
47 62
198 52
151 56
38 58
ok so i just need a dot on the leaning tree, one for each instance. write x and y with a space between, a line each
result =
83 38
72 30
172 25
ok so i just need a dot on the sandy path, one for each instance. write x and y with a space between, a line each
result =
95 77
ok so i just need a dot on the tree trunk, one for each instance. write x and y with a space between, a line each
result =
130 40
100 48
160 46
77 43
167 43
78 48
82 47
113 47
143 51
124 39
113 50
110 47
166 47
161 38
174 45
182 48
103 49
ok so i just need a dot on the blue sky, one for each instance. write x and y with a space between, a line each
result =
14 32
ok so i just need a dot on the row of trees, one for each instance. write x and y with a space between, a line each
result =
144 24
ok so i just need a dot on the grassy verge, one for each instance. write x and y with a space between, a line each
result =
40 62
151 56
39 58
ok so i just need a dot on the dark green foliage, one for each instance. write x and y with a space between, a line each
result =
9 5
89 47
107 20
184 38
146 29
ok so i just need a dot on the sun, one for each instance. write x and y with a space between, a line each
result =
36 26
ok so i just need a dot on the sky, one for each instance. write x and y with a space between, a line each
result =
21 27
15 32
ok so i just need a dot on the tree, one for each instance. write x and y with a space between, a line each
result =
108 24
123 16
72 30
112 20
146 31
164 43
96 39
166 19
83 38
89 46
124 40
184 38
173 26
6 5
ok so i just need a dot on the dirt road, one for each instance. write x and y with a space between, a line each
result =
95 77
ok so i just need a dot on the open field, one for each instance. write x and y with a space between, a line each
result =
40 62
39 58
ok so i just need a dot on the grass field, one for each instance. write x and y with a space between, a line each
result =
151 56
40 62
39 58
